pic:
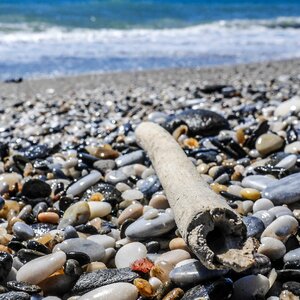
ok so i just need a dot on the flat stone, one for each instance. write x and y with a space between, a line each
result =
130 158
104 165
193 273
95 251
115 291
145 229
258 182
132 195
40 268
115 176
133 211
268 143
284 191
129 254
99 278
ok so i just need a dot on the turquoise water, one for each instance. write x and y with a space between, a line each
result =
51 38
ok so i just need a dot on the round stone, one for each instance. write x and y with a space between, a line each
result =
129 254
262 204
250 194
23 231
268 143
272 248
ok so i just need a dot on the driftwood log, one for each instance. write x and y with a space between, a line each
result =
213 231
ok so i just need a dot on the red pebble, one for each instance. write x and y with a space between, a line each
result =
143 265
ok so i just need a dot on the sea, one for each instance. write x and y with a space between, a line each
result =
70 37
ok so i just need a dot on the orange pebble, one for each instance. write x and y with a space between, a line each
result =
48 217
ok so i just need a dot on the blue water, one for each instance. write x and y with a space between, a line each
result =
60 37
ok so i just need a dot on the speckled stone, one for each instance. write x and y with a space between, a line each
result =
93 280
14 296
254 225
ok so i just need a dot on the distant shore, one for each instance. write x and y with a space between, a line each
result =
146 83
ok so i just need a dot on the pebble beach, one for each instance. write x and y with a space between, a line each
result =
83 214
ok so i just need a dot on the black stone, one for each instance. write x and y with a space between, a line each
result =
73 268
26 255
85 228
35 188
288 275
292 286
6 262
36 151
220 289
23 287
199 122
110 193
80 257
34 245
93 280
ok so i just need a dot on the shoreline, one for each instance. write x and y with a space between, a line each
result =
155 80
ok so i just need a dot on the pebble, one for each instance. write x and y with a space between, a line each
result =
266 216
173 257
291 256
129 254
23 231
251 287
268 143
103 240
130 158
95 251
178 243
144 229
272 248
250 194
286 107
132 195
90 281
99 209
193 273
40 268
281 228
283 191
292 148
258 182
133 211
82 184
14 296
115 177
254 225
262 204
35 188
76 214
6 262
287 162
115 291
159 202
48 217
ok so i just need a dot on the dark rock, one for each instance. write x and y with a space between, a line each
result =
220 289
199 122
292 286
35 188
26 255
93 280
34 245
42 228
72 268
5 264
70 233
36 151
110 193
254 225
23 287
80 257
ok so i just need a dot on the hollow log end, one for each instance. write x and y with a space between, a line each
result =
218 238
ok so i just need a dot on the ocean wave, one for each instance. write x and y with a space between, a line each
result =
58 50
